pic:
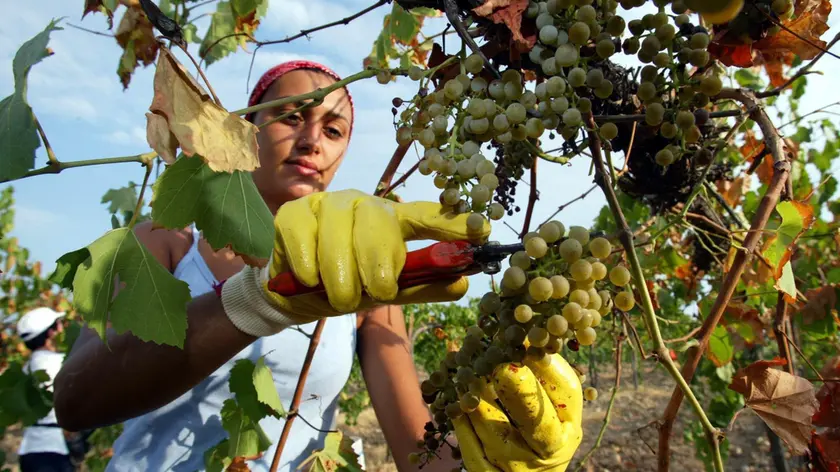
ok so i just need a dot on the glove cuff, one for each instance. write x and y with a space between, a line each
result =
247 307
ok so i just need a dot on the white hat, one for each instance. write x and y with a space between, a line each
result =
36 321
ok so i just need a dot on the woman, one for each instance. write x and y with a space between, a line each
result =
170 398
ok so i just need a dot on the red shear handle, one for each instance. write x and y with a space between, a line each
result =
421 266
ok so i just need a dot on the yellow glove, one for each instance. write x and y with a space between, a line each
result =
545 403
354 244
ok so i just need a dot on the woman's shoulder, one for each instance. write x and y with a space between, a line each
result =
168 246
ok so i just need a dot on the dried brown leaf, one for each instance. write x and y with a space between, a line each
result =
136 36
160 138
785 402
733 190
199 126
509 13
821 301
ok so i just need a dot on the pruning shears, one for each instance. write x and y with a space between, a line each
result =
430 264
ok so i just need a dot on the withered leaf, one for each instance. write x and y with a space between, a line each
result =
785 402
509 13
733 190
197 124
826 450
137 38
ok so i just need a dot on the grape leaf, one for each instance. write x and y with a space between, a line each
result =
401 27
121 199
199 125
216 458
337 454
248 14
786 283
246 437
18 133
510 14
226 207
136 35
785 402
151 303
106 7
254 388
816 317
720 347
797 217
23 396
66 265
219 40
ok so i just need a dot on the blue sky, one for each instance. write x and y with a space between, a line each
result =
77 96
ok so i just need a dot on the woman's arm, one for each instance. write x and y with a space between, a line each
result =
391 378
100 385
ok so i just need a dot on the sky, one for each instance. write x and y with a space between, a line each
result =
86 114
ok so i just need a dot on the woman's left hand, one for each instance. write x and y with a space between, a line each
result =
545 401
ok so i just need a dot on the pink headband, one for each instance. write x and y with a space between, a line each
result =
279 70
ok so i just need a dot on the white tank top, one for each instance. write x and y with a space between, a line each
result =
176 436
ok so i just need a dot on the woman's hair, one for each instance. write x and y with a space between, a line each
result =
39 341
279 70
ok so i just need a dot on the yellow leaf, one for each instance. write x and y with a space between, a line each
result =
197 124
160 138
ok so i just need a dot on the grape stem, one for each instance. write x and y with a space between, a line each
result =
139 206
649 314
532 200
762 214
56 167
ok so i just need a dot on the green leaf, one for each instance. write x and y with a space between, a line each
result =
828 190
151 303
404 25
115 222
216 458
247 438
191 34
18 133
226 207
337 454
792 225
786 283
798 87
748 79
802 135
222 25
66 265
256 395
720 347
121 199
23 397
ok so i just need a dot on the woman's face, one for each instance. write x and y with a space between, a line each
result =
300 154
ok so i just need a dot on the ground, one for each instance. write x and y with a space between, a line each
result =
627 444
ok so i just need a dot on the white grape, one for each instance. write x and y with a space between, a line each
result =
475 222
490 181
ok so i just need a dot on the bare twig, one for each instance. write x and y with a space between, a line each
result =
50 153
806 115
403 177
711 188
563 206
532 200
58 167
98 33
804 358
629 151
391 169
683 338
649 314
201 73
802 71
293 408
768 202
307 32
779 330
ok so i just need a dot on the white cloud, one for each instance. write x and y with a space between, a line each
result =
29 217
136 136
67 106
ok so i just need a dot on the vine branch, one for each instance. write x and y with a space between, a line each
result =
626 237
532 200
307 32
768 202
801 72
58 167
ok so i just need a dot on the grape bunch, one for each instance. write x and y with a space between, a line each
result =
554 295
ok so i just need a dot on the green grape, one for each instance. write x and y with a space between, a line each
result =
478 85
538 337
520 259
557 325
662 60
495 355
571 250
699 41
480 193
536 247
608 131
600 248
496 211
615 25
668 130
586 14
577 77
436 109
606 298
646 92
559 286
484 167
501 123
572 117
479 126
580 233
469 402
584 105
605 48
535 354
584 322
514 278
529 235
599 271
550 232
636 27
604 90
581 270
540 289
523 313
699 58
466 169
534 127
665 33
489 325
596 316
528 99
555 86
453 89
711 85
619 276
586 336
451 196
473 64
511 75
427 388
449 360
572 312
594 78
692 135
437 378
664 157
441 181
424 168
513 90
580 297
654 114
497 89
549 66
579 33
516 113
624 301
490 181
566 54
453 410
651 45
559 105
515 335
685 119
548 34
590 394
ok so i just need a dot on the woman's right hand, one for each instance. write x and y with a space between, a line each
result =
353 244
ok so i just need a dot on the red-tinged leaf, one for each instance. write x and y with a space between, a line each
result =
732 55
720 350
509 13
733 190
106 7
775 70
825 450
785 402
746 322
819 314
797 217
337 455
136 36
828 413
